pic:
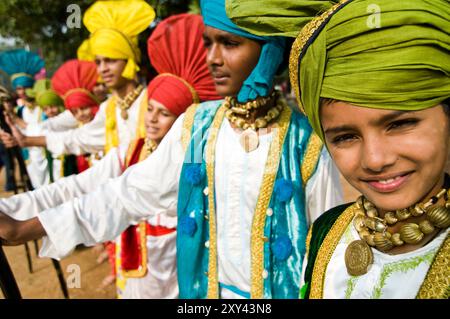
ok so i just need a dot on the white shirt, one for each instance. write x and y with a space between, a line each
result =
90 138
151 188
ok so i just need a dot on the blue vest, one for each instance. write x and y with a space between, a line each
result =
277 256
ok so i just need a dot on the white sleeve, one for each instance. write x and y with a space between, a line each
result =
89 138
62 122
146 189
323 189
28 205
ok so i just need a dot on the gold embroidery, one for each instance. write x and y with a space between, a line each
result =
265 194
213 281
142 270
311 157
308 239
326 251
437 281
188 122
305 34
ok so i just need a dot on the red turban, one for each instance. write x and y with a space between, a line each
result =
74 82
177 52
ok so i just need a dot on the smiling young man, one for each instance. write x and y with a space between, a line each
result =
389 136
244 177
114 27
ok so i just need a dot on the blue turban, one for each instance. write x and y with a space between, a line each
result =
260 80
21 66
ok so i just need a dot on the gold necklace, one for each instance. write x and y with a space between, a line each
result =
249 138
125 103
150 146
373 230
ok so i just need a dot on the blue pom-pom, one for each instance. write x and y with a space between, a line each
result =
187 226
283 190
193 174
282 247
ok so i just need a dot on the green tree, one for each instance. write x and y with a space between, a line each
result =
43 25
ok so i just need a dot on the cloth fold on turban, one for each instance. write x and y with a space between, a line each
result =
114 27
275 17
75 81
398 61
176 51
21 66
260 80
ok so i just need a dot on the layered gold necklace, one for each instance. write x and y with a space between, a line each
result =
373 230
239 115
125 103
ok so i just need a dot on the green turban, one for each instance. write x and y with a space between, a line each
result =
275 17
44 94
384 54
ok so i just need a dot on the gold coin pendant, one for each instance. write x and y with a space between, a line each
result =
358 258
249 140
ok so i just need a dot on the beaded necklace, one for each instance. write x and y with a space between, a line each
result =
238 114
373 230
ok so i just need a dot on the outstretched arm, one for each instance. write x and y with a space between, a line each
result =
29 204
14 232
145 189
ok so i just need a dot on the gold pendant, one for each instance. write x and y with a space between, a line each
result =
358 258
249 140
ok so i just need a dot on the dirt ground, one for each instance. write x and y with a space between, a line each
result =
43 282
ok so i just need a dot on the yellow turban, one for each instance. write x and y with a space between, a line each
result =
84 52
114 27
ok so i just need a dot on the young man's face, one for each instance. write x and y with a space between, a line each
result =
20 90
51 111
394 158
158 120
83 114
111 71
230 59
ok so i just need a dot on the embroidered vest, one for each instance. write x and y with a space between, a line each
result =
279 226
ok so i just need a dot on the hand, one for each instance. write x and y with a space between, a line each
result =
8 230
7 139
15 131
17 138
11 117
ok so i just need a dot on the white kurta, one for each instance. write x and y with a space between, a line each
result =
90 138
389 277
151 188
37 166
161 278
